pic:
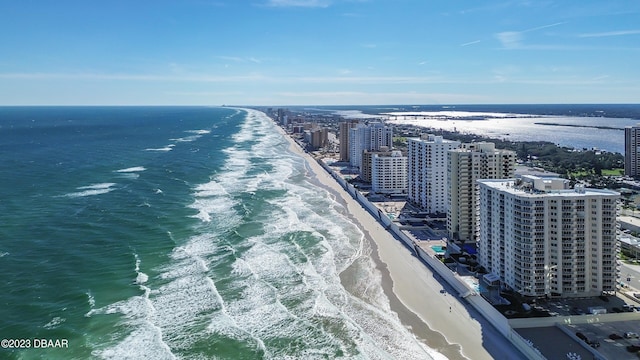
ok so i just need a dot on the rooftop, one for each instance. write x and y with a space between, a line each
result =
534 186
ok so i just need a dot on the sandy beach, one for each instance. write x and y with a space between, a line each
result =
437 318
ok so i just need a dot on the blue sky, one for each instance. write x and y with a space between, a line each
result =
318 52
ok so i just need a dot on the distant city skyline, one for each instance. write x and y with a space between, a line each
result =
318 52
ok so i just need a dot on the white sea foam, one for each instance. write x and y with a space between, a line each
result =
215 208
91 300
132 172
186 138
274 271
162 149
100 186
131 175
54 323
196 135
188 298
91 190
146 338
247 130
212 188
198 132
284 281
132 169
3 254
213 200
145 342
141 277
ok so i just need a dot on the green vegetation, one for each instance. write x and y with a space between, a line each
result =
399 141
628 258
567 161
613 172
574 164
599 169
605 172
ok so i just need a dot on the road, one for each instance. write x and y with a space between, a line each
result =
630 275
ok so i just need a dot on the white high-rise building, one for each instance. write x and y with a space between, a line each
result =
344 138
372 136
543 239
389 173
466 165
632 151
367 160
427 172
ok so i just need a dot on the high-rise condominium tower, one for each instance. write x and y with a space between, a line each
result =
632 151
427 172
372 136
344 138
466 165
543 239
389 173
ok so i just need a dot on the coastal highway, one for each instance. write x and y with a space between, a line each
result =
630 275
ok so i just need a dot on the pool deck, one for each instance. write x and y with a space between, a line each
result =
426 245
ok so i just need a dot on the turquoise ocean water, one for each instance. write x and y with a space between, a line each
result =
178 232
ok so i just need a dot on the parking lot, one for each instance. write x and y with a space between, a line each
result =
581 306
613 344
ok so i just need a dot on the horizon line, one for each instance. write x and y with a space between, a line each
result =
323 105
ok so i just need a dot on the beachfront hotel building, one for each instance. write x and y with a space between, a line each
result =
389 173
372 136
427 172
319 137
543 239
344 138
466 165
632 151
366 171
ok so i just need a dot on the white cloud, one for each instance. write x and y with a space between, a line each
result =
238 59
513 39
610 33
299 3
365 98
470 43
544 27
204 93
133 77
503 74
510 39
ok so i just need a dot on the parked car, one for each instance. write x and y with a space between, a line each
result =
615 336
633 348
631 335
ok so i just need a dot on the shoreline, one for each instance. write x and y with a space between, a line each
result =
437 319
